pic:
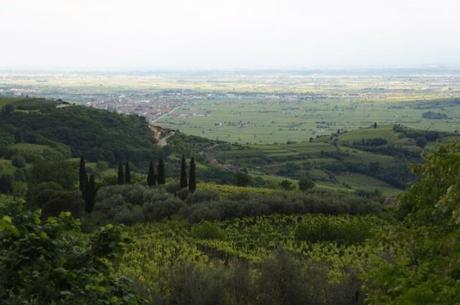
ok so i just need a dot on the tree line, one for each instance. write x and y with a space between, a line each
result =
88 187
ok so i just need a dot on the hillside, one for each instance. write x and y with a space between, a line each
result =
46 129
365 159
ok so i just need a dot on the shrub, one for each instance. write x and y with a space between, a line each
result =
305 184
207 230
18 161
252 204
64 173
242 178
134 203
287 185
6 182
193 285
340 230
61 201
47 262
203 196
161 209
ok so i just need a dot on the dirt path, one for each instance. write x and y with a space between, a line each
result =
163 141
157 135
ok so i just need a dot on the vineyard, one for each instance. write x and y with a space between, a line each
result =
340 242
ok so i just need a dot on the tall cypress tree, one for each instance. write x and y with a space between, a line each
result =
151 177
121 176
192 180
161 172
83 175
127 173
183 173
90 195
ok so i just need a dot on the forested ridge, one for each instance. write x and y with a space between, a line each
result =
74 130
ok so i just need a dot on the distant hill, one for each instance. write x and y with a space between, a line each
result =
39 128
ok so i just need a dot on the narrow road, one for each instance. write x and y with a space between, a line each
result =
162 141
165 115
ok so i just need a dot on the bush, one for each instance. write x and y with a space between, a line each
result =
18 161
305 184
286 280
207 230
161 209
35 197
64 173
129 204
287 185
253 204
242 178
57 202
192 285
6 182
339 230
48 262
278 279
202 196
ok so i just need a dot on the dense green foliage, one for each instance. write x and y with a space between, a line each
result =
137 203
423 264
63 127
192 178
151 175
183 173
48 262
205 261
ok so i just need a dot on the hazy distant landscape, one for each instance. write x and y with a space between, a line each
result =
244 152
259 106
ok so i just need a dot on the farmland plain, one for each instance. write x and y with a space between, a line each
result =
259 106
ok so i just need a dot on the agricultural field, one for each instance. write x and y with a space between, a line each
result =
341 242
281 121
373 158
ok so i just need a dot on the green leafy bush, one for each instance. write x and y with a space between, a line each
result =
207 230
129 204
47 262
337 229
422 261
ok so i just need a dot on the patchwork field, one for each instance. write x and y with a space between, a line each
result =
279 121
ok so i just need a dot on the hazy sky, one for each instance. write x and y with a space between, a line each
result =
222 34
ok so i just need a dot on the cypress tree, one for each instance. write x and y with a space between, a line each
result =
83 176
183 173
192 180
90 195
161 172
151 177
127 173
121 176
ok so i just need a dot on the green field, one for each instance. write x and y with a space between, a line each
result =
373 159
273 121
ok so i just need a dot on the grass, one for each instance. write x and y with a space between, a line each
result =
10 100
28 148
225 190
274 121
6 168
331 166
363 182
384 132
